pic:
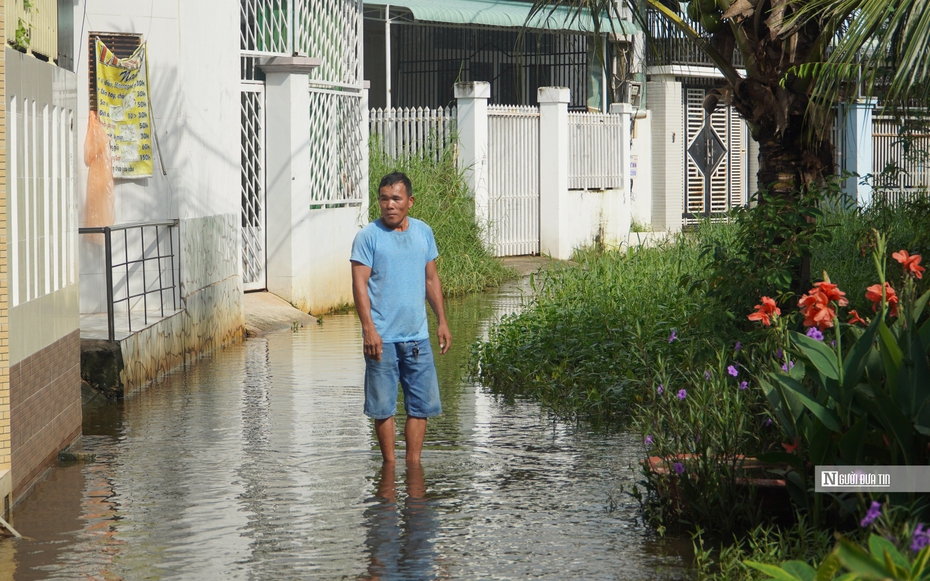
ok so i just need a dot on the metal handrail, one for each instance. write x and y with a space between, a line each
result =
107 232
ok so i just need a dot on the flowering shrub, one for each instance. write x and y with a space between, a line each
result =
897 549
865 397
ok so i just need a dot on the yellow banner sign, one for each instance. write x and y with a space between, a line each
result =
123 109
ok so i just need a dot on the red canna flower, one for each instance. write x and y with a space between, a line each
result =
833 292
790 447
874 294
765 311
855 318
815 306
910 263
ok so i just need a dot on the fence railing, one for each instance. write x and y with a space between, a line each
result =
144 277
668 45
595 141
411 132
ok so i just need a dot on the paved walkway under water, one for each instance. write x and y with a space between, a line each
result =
257 463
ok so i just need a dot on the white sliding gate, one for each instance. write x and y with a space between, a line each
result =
513 180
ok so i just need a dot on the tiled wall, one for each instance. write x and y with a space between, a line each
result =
45 406
4 286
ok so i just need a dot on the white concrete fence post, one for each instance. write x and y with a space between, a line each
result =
472 123
624 209
288 176
857 151
553 172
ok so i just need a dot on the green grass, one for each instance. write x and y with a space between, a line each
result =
443 201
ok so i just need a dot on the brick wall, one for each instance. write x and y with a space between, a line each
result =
45 405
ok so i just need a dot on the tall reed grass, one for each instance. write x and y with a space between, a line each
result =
443 201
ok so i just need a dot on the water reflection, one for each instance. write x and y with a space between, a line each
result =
257 463
402 532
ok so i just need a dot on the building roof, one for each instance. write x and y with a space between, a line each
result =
506 14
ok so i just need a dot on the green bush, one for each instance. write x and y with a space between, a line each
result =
442 200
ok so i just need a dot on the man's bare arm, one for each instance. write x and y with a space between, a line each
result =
372 340
434 297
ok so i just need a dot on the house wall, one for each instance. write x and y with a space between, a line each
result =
6 484
44 399
193 64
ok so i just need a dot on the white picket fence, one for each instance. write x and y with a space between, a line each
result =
513 180
413 132
595 142
913 176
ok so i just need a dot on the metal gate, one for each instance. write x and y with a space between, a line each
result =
253 186
715 153
513 180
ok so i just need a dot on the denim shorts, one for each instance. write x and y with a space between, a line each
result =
411 363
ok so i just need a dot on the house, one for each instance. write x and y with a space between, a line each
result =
238 161
416 50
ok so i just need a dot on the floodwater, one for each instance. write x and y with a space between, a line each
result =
256 463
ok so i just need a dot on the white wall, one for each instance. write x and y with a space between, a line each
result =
41 223
193 60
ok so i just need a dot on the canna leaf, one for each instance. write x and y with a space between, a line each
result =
880 547
891 356
823 358
858 561
825 415
851 443
773 571
787 407
857 357
829 568
800 570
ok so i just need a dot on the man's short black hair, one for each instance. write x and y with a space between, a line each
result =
395 178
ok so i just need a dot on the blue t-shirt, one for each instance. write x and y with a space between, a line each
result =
397 287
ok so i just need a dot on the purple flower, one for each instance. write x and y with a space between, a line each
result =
874 512
787 366
707 375
815 334
682 394
738 346
779 354
921 538
768 422
743 384
833 343
732 370
661 389
679 468
648 440
672 337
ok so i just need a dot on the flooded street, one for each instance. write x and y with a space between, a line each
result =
257 463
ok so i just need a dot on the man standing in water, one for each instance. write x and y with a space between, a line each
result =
393 271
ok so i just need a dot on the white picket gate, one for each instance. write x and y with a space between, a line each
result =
412 132
595 143
513 180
